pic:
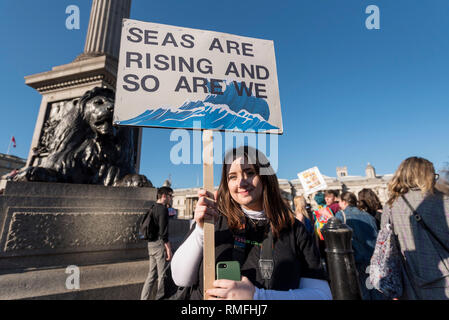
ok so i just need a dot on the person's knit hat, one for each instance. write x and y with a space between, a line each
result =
319 199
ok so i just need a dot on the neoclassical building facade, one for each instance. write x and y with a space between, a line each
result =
184 200
9 162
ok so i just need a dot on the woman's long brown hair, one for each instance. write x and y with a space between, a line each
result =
278 213
369 201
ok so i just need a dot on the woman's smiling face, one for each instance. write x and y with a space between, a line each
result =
245 185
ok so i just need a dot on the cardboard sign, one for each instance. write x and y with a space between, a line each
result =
172 77
312 180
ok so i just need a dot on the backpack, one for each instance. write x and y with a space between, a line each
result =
385 272
147 228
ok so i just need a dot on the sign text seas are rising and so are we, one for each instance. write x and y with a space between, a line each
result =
171 77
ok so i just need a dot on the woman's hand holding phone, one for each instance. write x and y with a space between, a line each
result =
232 290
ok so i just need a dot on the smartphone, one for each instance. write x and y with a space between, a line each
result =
228 270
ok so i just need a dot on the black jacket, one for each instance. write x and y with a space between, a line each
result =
295 256
160 216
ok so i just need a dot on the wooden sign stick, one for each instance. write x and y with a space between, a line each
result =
209 229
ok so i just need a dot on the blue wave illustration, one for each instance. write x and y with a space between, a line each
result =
228 111
236 103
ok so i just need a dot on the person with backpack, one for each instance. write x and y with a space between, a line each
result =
154 228
277 256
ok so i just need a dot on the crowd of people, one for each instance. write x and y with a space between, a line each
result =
414 188
359 214
281 251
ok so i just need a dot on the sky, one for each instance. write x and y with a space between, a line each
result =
349 95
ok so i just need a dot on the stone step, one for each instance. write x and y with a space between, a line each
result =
122 280
86 191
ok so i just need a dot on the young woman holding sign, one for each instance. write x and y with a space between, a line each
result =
277 256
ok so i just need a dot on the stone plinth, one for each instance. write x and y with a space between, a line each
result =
84 74
46 227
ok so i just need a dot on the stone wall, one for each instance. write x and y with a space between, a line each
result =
46 227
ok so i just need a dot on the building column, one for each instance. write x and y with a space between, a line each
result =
105 26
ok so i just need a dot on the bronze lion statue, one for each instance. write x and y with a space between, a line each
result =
79 144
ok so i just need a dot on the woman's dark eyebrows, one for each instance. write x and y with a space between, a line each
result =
244 170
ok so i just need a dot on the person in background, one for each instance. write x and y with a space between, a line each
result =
364 235
425 260
331 196
369 202
172 212
302 214
320 216
159 248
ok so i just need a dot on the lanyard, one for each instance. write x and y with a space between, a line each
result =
266 263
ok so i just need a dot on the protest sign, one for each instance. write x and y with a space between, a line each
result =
171 77
312 180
